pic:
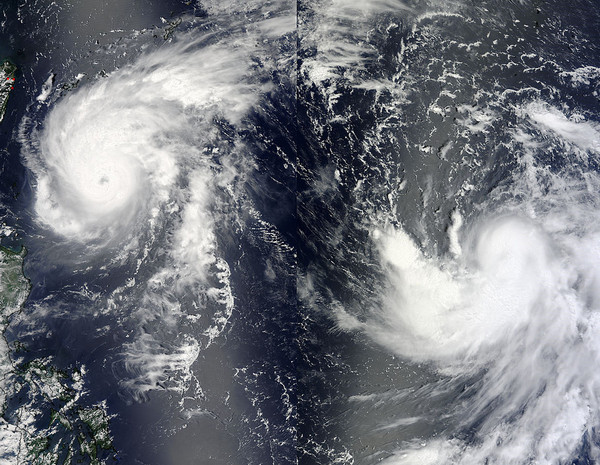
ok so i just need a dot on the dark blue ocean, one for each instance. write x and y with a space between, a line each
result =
314 232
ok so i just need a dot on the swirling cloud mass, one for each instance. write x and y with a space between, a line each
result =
111 154
446 214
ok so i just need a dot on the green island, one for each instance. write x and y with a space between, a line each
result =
7 80
44 419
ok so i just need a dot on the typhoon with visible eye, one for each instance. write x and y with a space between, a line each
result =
133 169
112 154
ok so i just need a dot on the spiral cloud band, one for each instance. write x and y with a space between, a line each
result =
139 161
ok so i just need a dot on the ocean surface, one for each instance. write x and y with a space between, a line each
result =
323 232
